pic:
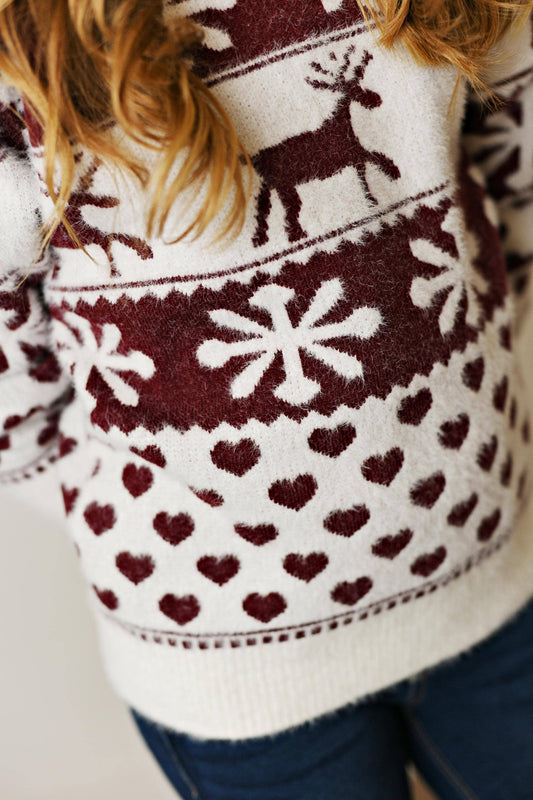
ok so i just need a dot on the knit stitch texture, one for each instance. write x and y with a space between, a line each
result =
294 467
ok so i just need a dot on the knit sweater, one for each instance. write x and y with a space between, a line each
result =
294 465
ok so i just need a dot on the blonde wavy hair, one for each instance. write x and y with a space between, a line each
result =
84 65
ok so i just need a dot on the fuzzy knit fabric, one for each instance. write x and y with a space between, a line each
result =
294 466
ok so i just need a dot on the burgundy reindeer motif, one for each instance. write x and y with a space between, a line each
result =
318 153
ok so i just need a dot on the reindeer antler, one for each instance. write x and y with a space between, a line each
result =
337 75
361 67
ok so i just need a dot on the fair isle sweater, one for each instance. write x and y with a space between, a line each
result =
294 466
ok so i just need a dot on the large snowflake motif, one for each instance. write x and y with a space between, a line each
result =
84 352
457 275
283 338
501 142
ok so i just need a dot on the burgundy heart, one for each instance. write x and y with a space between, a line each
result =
332 441
427 491
505 337
453 432
173 529
473 374
506 470
293 493
48 433
305 567
383 468
264 607
389 546
152 454
500 394
414 408
4 364
137 480
256 534
107 597
180 609
461 511
488 525
66 445
346 523
237 458
428 562
99 518
487 454
349 592
209 496
69 497
135 568
218 569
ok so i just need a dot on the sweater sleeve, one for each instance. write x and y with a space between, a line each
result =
33 387
500 143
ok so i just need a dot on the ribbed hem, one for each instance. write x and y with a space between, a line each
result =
257 691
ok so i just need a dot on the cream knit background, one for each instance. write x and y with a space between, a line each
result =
64 735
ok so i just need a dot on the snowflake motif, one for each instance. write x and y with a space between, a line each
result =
104 357
503 145
363 323
452 275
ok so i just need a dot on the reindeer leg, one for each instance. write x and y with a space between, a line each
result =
385 164
263 208
292 204
361 171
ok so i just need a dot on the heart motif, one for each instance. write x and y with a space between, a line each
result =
460 512
180 609
66 445
152 454
390 546
264 607
488 525
135 568
349 592
383 468
4 364
473 374
173 529
346 523
414 408
453 432
237 458
332 441
256 534
107 597
305 567
487 454
137 480
208 496
99 518
69 498
428 562
506 470
426 492
218 569
500 394
293 493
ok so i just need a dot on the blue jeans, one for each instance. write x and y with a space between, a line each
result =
466 725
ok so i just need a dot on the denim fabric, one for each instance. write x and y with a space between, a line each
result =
466 724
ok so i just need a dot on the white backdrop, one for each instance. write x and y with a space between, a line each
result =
64 734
